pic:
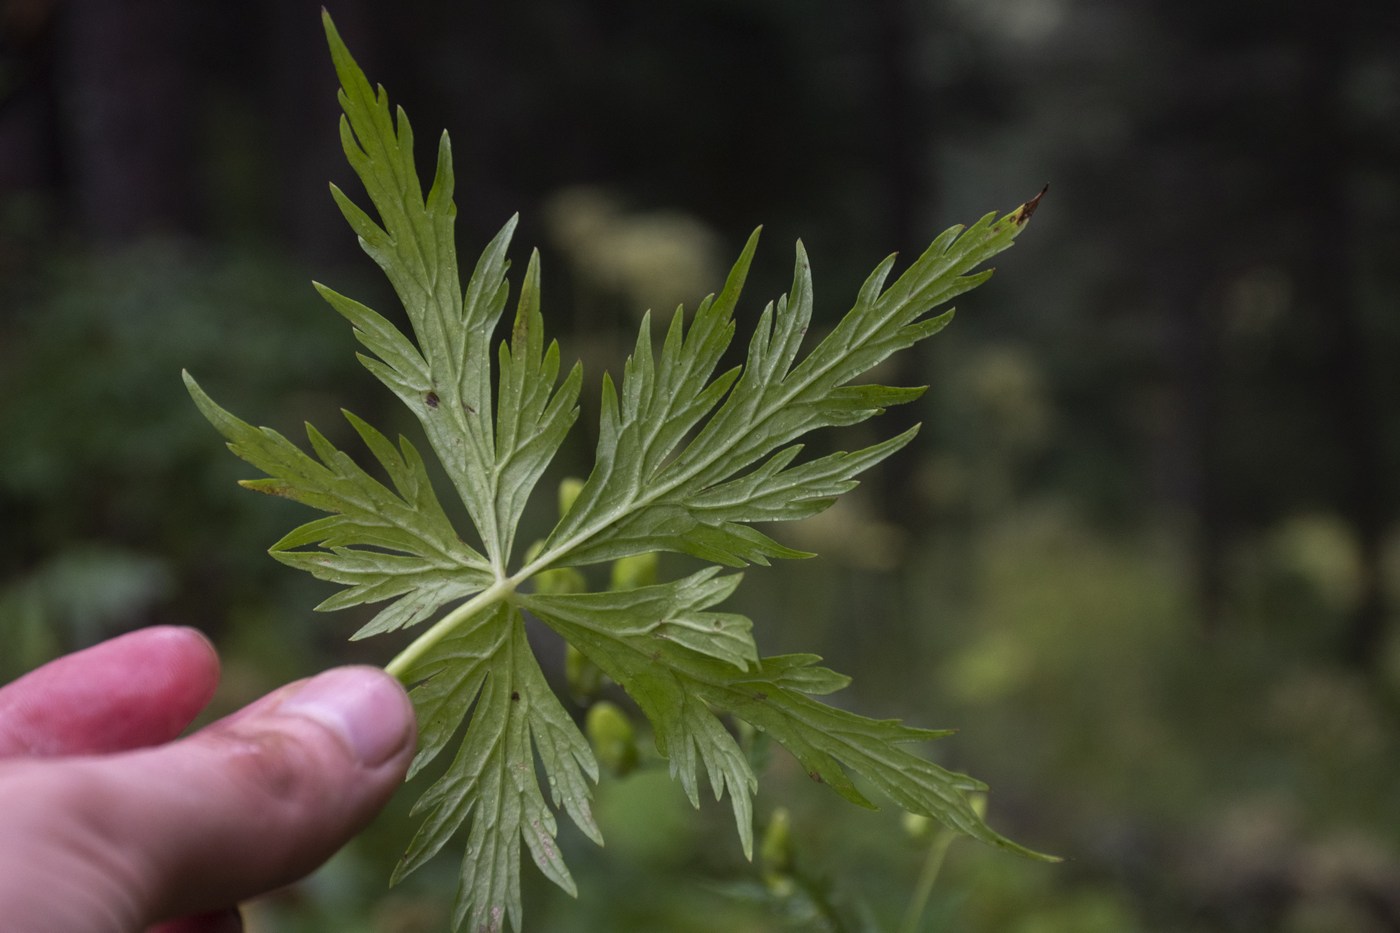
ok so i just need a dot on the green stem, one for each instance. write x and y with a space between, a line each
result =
933 864
496 592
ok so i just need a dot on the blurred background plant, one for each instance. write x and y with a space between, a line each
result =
1145 555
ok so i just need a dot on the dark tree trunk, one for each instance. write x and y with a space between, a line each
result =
903 185
1191 459
1194 359
128 115
304 128
1332 295
902 151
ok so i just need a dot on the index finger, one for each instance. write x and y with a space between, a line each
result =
132 691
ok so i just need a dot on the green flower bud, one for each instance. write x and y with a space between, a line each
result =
560 580
916 825
775 849
569 488
632 572
613 739
584 677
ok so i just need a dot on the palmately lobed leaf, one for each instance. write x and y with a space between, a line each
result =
688 460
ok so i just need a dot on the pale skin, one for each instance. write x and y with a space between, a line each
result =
112 823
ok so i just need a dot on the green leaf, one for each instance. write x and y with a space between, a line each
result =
488 662
689 458
382 543
666 677
448 384
644 494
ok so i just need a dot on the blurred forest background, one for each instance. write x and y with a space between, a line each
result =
1145 554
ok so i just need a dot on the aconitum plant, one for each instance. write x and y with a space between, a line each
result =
688 460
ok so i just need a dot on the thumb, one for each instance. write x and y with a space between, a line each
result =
246 805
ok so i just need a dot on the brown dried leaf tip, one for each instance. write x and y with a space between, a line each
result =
1024 212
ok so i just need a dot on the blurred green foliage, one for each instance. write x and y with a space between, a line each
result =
116 504
1145 399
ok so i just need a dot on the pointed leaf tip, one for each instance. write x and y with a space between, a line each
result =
328 24
1024 212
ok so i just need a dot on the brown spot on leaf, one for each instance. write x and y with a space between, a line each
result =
514 696
431 400
1024 212
816 776
269 487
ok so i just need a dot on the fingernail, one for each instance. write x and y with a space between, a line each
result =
364 706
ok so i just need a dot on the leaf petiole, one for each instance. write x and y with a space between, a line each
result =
499 591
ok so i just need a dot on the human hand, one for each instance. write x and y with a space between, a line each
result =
110 823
